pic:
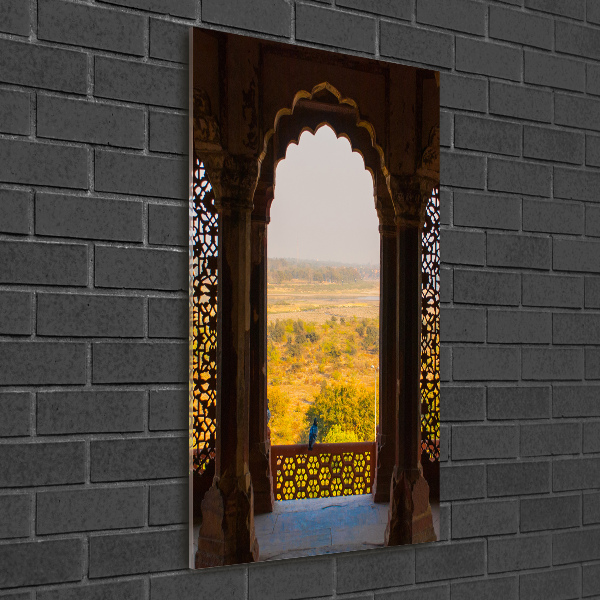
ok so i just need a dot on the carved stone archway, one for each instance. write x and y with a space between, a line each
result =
241 133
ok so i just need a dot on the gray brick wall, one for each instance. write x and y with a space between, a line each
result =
93 297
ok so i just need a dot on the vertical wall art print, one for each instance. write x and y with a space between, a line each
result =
314 310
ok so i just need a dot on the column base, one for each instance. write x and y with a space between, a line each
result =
384 471
227 531
409 518
262 479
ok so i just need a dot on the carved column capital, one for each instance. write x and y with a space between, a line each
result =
411 195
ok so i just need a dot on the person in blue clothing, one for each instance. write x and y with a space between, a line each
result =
312 435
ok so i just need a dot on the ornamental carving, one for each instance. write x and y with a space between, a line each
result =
430 159
206 127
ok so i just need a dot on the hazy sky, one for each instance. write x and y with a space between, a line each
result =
323 206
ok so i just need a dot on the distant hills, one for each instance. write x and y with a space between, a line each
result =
280 270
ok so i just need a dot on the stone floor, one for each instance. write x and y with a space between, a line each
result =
323 526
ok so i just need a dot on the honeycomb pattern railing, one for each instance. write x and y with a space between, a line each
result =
325 471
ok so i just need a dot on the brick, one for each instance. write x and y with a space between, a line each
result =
88 218
591 437
544 69
15 211
462 482
90 122
43 67
552 217
591 579
137 268
211 581
15 313
575 474
487 287
90 26
576 546
552 363
122 590
446 125
64 462
520 403
487 135
182 8
90 315
332 28
89 510
591 507
574 9
578 40
592 292
592 150
169 410
576 185
14 111
14 17
557 512
574 255
42 363
462 170
553 144
169 504
486 210
592 221
437 592
550 439
561 584
140 82
435 562
15 408
43 263
519 327
506 588
37 163
89 412
462 325
592 82
267 16
592 12
578 328
399 9
169 41
470 442
577 111
41 562
520 102
520 177
131 553
485 363
462 247
157 362
477 519
459 15
552 290
168 318
446 283
462 92
488 58
418 45
358 572
576 401
168 225
521 27
287 580
14 516
168 132
141 175
592 363
122 460
518 251
518 478
518 553
463 404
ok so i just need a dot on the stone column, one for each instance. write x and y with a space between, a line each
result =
260 437
409 518
227 530
388 291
